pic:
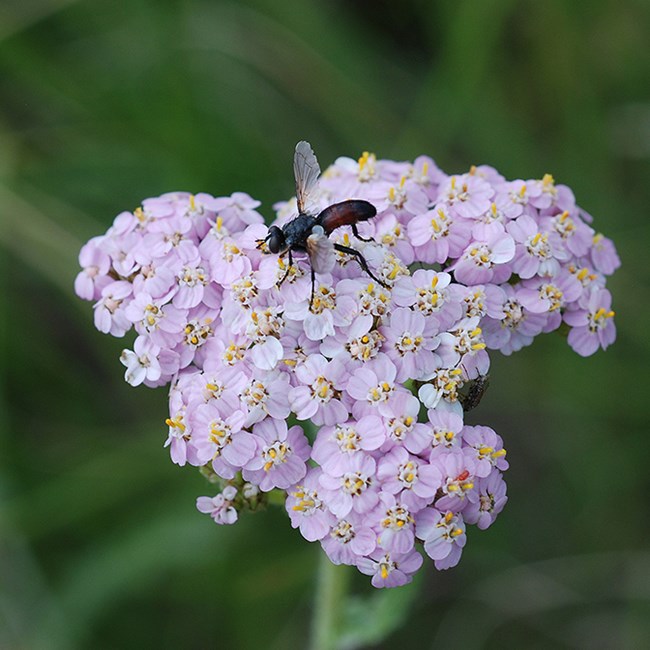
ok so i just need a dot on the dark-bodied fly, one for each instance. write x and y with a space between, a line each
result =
309 233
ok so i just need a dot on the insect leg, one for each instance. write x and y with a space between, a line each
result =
286 273
362 261
358 236
313 286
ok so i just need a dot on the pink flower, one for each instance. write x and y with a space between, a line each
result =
414 480
333 443
220 507
192 281
464 344
390 569
468 195
485 260
541 295
307 510
141 364
266 394
394 525
179 432
403 427
319 395
237 210
349 540
354 344
604 255
575 235
592 324
94 276
372 387
444 433
228 263
437 235
111 310
517 329
410 341
443 534
218 438
327 311
279 461
350 485
487 501
537 252
457 471
430 294
485 449
162 322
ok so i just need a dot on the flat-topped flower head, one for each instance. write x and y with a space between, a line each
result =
385 312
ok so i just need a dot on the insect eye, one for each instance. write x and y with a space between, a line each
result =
275 239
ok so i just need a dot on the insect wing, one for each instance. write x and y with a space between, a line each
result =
306 171
321 251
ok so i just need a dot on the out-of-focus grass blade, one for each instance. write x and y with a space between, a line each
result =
297 66
37 239
131 560
24 591
22 15
121 473
608 582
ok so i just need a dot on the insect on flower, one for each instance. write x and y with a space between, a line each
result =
308 232
474 395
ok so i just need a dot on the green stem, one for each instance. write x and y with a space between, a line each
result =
331 587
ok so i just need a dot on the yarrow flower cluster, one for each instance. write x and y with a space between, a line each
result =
469 263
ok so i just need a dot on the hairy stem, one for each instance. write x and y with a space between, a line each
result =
331 587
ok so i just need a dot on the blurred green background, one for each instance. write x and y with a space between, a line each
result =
103 103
